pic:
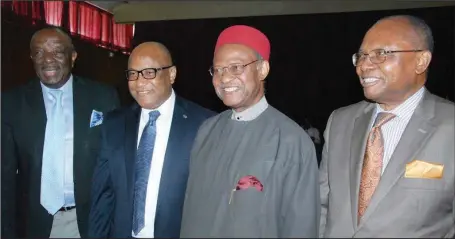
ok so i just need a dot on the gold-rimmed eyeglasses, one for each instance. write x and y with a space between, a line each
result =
234 69
376 56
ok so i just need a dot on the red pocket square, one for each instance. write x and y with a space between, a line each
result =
247 182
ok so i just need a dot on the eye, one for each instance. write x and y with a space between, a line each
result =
59 54
218 70
236 68
132 73
380 52
149 72
37 54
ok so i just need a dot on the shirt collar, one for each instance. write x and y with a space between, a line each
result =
251 113
405 109
165 109
66 88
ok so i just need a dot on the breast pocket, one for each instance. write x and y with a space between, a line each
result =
422 184
248 202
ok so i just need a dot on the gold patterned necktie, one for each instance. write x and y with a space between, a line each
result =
372 163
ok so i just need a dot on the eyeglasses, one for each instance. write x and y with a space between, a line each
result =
234 69
147 73
376 56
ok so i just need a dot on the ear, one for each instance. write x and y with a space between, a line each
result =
172 74
264 70
423 62
73 58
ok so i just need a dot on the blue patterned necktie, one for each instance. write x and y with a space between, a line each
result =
52 178
142 170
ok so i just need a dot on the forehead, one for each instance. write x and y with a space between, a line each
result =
233 52
140 61
50 38
389 34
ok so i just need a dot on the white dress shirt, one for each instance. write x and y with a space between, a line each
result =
67 104
393 129
163 127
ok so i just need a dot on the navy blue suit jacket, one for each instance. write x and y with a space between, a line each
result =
113 180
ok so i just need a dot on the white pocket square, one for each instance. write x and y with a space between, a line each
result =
96 118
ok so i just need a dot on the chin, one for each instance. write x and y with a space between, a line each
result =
231 102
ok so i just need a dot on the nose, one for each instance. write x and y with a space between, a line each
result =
225 77
141 81
48 57
366 65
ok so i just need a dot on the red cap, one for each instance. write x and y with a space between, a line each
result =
245 35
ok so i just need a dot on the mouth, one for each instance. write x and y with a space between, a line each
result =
230 89
50 71
143 92
369 81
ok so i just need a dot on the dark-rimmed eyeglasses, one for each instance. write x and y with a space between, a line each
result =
233 69
147 73
376 56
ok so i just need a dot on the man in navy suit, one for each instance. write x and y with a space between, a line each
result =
140 179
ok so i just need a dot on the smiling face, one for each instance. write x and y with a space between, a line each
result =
402 74
53 57
151 93
241 91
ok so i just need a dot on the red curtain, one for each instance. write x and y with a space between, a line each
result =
84 20
106 27
53 12
118 33
72 17
89 23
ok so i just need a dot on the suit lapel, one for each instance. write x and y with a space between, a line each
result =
417 132
358 142
131 130
175 164
36 108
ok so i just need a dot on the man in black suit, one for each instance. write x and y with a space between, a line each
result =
50 138
140 179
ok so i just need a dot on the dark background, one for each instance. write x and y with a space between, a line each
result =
311 70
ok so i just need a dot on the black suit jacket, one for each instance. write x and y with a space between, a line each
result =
113 180
23 128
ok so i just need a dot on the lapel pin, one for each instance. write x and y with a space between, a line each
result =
184 116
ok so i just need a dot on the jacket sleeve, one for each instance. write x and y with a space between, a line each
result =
102 197
324 180
9 164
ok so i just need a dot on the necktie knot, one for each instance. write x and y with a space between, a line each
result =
56 94
383 118
153 116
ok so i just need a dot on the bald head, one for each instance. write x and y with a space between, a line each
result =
53 31
155 50
417 29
